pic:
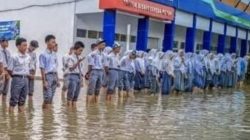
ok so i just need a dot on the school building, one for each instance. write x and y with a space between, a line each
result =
217 25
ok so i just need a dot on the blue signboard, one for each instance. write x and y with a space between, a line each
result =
9 29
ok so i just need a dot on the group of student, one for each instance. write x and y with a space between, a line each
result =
151 71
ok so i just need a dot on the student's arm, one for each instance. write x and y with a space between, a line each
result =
73 66
32 68
42 68
10 67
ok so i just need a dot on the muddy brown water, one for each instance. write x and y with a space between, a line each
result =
217 115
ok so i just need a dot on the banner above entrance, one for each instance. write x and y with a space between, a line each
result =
140 7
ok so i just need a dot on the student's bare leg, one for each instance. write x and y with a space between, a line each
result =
11 109
21 109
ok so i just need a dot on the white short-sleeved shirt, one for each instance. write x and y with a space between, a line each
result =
48 61
72 60
113 61
96 60
20 64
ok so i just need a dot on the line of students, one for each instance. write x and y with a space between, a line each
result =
134 71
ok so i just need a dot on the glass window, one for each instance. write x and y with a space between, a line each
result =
176 44
92 34
81 33
182 45
100 34
133 39
117 37
123 38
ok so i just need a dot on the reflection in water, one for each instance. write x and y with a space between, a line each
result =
219 115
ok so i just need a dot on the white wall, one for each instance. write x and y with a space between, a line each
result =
87 6
36 22
180 34
183 19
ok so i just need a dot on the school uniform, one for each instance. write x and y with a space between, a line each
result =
126 74
6 57
139 76
179 72
106 52
113 74
216 76
152 75
241 69
20 67
167 75
234 72
33 69
65 72
223 75
190 72
199 73
74 77
48 62
96 74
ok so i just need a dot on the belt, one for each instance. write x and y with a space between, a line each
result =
114 69
75 74
98 69
20 76
51 73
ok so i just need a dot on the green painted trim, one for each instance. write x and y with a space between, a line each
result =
227 16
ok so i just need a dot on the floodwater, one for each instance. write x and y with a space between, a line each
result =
221 115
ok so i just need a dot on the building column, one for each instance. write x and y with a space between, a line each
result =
190 37
222 41
207 37
142 34
169 33
109 22
243 50
233 42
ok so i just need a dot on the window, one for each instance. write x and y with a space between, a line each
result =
213 48
132 39
117 37
81 33
92 34
100 34
176 44
123 38
198 47
182 45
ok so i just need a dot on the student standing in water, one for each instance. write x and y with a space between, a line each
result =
113 70
107 50
19 69
6 57
31 51
48 65
66 70
75 73
126 75
95 71
179 72
199 73
190 71
140 71
167 73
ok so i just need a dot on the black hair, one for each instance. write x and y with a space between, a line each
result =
20 40
3 39
49 37
148 50
34 44
93 46
78 45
